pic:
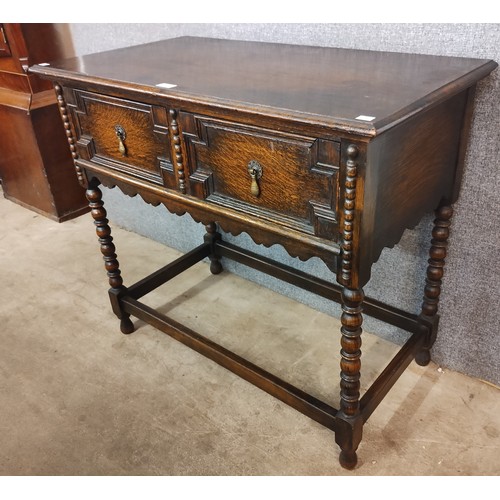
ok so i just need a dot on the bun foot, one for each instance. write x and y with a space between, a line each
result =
348 459
126 326
423 357
215 266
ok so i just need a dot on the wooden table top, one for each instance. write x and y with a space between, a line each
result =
335 85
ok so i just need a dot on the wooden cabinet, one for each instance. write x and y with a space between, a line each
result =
328 152
35 164
4 45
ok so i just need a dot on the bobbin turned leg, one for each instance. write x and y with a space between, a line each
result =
435 271
350 424
211 237
94 195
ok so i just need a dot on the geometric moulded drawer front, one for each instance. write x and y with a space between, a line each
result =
125 135
286 177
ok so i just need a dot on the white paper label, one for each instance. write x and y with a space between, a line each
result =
365 118
166 85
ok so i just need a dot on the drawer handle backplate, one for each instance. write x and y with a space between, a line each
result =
255 171
122 135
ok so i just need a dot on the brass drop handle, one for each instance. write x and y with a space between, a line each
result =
121 134
254 188
255 171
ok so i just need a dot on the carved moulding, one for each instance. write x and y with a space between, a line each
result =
70 134
211 143
348 216
301 246
177 155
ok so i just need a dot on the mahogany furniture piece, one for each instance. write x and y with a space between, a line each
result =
329 152
35 164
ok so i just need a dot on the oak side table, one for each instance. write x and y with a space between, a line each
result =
329 152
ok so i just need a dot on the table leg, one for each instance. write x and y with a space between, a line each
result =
94 196
211 237
435 271
350 424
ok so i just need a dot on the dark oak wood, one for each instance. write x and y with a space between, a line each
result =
433 281
350 367
212 236
331 153
350 364
416 163
305 168
273 77
144 131
108 250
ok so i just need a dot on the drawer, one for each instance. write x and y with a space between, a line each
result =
124 135
286 178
